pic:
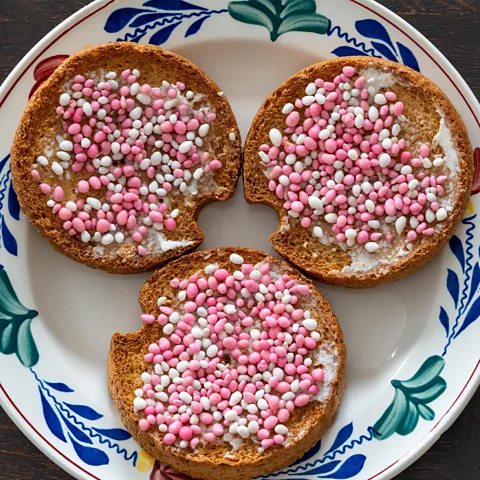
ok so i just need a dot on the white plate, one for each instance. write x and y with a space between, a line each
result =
53 385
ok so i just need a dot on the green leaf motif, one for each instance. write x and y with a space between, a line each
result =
304 23
411 399
298 6
246 12
15 325
280 17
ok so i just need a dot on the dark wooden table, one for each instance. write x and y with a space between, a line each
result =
454 27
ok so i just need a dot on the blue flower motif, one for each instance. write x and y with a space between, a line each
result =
161 18
466 302
6 189
327 466
64 420
380 41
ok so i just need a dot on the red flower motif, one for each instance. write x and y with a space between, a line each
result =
476 171
162 472
44 69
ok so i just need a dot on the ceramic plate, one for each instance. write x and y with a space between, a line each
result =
413 357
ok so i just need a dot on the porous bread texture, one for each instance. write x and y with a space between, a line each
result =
221 461
39 121
325 261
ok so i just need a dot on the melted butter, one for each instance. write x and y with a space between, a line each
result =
444 139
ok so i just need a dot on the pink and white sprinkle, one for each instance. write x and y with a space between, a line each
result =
125 152
235 358
342 163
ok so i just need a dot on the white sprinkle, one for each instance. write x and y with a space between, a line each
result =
380 99
237 259
64 99
359 121
139 404
106 161
430 216
412 185
203 129
275 137
385 133
85 236
318 231
94 203
136 113
350 233
261 403
441 214
371 247
174 318
72 206
438 162
352 154
427 163
42 160
107 239
278 372
198 173
185 146
332 217
294 386
64 156
308 100
212 351
144 98
243 431
230 415
66 145
370 205
232 136
235 398
266 159
311 89
119 237
253 426
373 113
387 143
324 134
396 130
209 269
281 429
87 108
315 202
185 397
400 224
384 160
57 168
287 108
162 396
310 324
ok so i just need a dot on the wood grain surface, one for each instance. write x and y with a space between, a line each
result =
454 27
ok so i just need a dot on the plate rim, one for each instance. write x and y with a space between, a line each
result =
405 28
